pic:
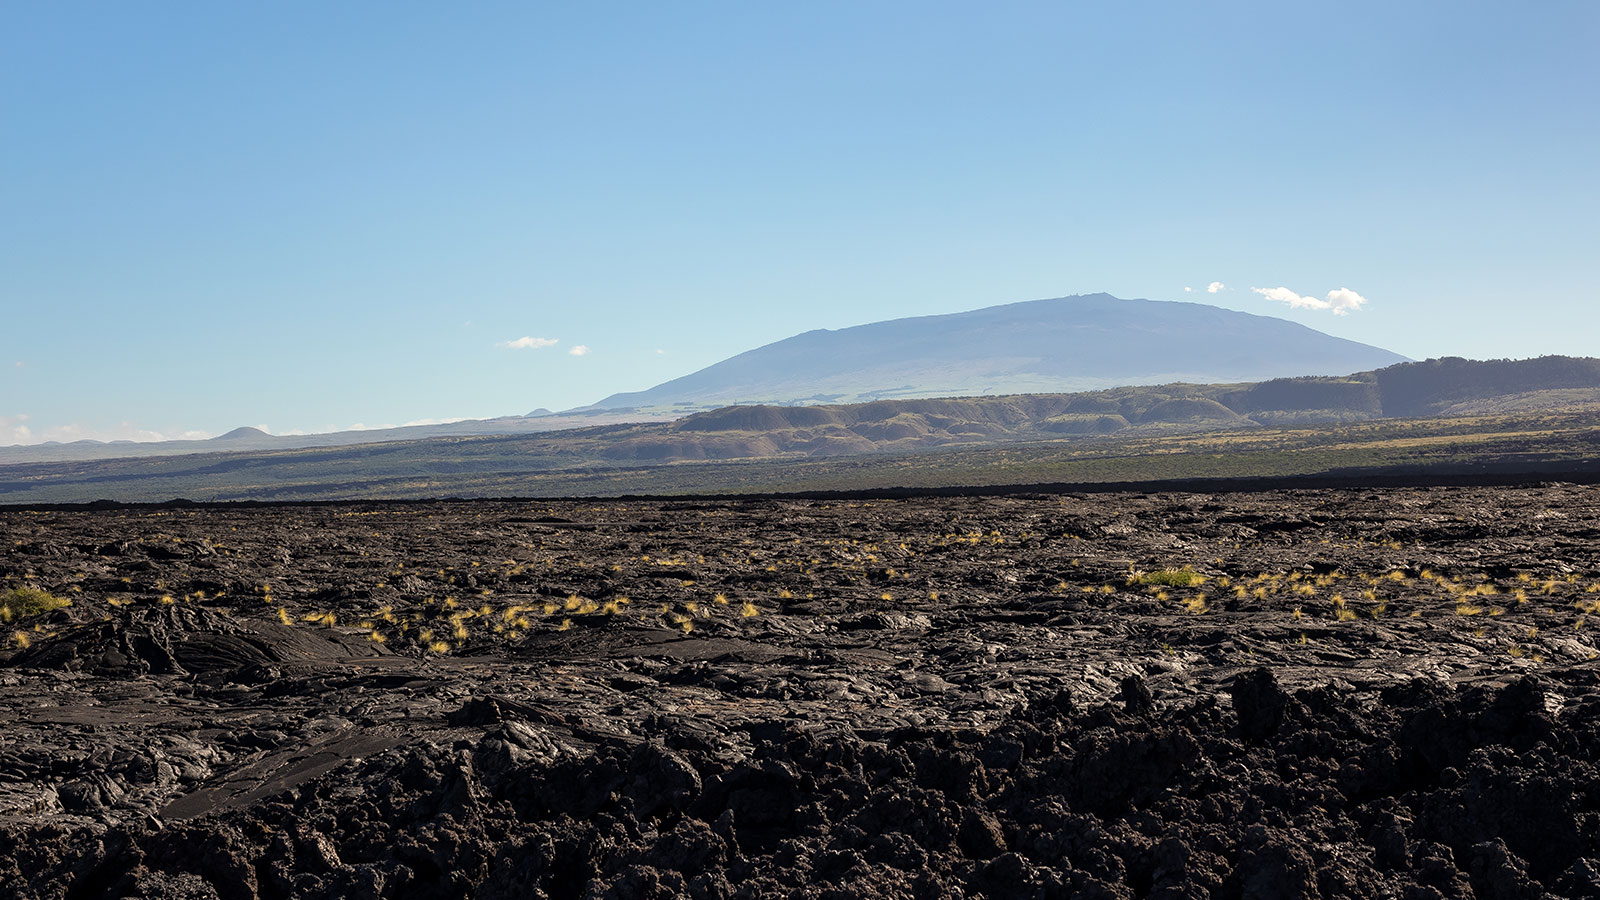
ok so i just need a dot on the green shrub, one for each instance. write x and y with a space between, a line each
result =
22 602
1184 577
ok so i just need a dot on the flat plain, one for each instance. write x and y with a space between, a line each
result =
1364 692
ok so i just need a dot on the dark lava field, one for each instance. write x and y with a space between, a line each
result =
1364 693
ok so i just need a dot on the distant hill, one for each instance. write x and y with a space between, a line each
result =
244 433
249 438
1043 346
1539 414
1438 387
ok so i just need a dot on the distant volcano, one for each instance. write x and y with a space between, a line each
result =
244 433
1067 344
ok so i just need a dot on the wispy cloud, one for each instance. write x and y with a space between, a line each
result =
19 364
579 350
1341 302
1215 287
14 430
363 426
529 343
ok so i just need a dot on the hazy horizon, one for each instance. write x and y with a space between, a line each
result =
309 218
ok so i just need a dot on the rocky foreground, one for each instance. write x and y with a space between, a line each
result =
1357 693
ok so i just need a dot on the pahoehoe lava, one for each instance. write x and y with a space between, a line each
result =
1355 692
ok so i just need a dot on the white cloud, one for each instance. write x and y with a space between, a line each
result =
1284 295
1345 301
1215 287
1342 301
529 343
579 350
362 426
13 431
660 352
19 363
1187 289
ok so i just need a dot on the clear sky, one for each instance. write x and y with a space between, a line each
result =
312 215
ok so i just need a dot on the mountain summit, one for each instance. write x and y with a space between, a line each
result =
243 433
1079 343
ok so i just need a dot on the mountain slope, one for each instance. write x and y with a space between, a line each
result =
254 439
1044 346
1437 387
1041 346
1528 415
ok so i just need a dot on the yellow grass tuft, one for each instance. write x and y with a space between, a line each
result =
22 602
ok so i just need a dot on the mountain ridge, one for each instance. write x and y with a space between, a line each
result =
1056 345
249 438
1438 387
1530 413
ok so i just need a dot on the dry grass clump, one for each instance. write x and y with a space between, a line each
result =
22 602
1184 577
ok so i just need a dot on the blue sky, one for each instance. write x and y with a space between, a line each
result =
313 215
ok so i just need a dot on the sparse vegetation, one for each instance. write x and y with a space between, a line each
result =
768 609
1184 577
583 463
23 602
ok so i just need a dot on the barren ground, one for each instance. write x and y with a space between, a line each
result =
1359 693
